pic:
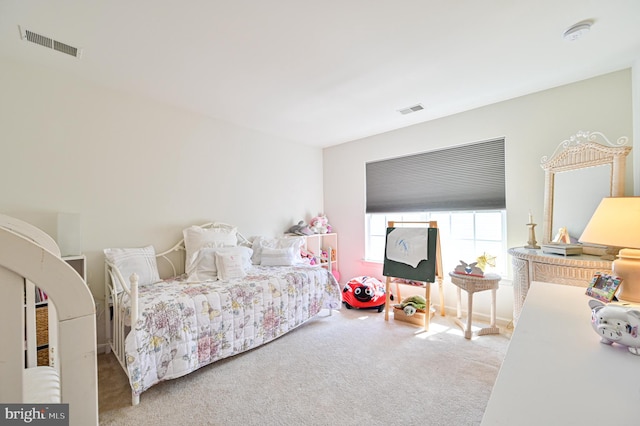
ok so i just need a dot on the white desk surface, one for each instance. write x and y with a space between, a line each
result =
556 371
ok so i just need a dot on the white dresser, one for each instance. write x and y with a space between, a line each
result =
556 371
534 265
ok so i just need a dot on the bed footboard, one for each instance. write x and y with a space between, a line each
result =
118 323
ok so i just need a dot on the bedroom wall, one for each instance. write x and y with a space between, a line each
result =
136 172
533 126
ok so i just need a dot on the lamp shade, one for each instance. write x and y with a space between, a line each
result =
616 223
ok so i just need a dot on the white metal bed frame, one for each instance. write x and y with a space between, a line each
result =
115 322
115 326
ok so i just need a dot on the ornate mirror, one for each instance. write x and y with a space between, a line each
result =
578 175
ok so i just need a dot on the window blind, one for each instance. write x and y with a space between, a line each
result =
468 177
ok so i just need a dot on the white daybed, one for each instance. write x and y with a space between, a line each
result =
29 258
230 299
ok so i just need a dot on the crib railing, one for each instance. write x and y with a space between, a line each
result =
28 256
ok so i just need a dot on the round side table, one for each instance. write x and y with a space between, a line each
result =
472 284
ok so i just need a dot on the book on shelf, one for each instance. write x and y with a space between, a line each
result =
41 296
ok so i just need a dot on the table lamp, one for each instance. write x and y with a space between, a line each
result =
616 223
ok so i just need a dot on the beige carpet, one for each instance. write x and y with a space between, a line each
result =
351 368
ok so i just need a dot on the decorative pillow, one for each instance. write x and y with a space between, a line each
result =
296 242
278 256
142 261
231 264
258 244
205 265
196 237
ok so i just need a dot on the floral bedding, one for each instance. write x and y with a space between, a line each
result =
183 326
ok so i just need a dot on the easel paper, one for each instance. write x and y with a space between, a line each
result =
408 245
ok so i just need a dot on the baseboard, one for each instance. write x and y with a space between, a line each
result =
102 348
505 323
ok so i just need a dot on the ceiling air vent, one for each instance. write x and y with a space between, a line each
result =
409 110
50 43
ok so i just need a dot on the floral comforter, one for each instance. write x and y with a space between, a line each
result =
184 326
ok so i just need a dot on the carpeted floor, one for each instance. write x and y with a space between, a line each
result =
351 368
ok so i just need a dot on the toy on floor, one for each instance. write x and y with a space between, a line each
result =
412 304
364 292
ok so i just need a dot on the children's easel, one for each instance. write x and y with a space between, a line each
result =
427 271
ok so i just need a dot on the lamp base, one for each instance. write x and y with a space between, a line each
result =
627 267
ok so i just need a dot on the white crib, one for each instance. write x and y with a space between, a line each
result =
28 258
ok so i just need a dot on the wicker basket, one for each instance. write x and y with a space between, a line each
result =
42 325
43 356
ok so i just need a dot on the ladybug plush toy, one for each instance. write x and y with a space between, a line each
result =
364 292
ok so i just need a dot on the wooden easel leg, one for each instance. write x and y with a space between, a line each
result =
387 299
427 316
441 293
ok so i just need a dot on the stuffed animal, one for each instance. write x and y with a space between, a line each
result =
412 304
364 292
310 257
300 229
320 224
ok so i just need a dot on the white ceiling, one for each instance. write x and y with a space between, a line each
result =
326 72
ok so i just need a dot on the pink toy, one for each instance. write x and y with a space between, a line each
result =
320 224
305 254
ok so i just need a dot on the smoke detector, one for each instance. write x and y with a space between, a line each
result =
48 42
576 31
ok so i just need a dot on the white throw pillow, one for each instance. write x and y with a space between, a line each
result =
205 265
142 261
260 243
196 238
296 243
231 264
278 256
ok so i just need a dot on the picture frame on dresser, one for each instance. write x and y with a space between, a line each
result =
603 287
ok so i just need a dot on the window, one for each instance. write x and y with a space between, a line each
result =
464 235
468 177
462 188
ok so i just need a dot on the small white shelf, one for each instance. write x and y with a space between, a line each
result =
317 243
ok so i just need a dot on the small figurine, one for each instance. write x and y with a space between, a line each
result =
486 260
469 269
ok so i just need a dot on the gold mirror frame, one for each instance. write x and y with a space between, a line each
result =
578 152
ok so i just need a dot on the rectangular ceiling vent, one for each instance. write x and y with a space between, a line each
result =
409 110
50 43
